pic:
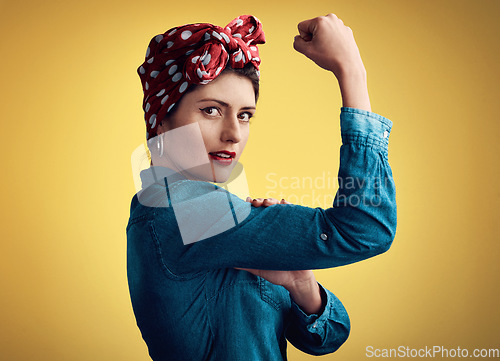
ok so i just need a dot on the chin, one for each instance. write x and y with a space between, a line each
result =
209 173
221 179
219 174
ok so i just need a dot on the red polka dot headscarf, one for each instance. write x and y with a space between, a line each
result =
194 54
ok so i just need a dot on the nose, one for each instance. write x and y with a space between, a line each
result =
231 129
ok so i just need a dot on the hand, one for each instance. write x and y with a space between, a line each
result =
287 279
330 44
257 202
302 285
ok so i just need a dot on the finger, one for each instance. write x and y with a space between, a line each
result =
307 29
257 202
248 199
331 15
270 201
300 45
305 36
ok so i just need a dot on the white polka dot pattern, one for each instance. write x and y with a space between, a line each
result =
186 34
207 59
172 69
225 37
177 77
183 87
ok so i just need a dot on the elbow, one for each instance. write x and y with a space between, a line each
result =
385 234
384 245
379 241
343 337
343 332
343 328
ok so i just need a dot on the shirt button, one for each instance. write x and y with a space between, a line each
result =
323 236
386 134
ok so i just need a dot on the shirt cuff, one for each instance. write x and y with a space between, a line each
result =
315 323
365 128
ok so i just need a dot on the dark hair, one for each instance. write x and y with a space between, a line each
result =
248 71
251 73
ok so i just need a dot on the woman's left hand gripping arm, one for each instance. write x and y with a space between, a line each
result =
321 324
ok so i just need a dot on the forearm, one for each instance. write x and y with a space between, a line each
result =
308 296
354 89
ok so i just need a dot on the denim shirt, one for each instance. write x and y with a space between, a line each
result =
189 301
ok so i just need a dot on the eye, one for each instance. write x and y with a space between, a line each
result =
212 111
245 117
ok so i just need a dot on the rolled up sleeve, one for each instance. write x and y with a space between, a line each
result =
319 334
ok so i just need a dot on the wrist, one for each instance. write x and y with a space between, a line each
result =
351 70
307 295
354 88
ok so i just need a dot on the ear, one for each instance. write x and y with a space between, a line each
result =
162 127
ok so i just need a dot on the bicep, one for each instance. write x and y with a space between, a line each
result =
279 237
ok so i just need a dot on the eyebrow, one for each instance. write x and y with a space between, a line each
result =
222 103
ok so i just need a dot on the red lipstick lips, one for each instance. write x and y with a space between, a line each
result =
223 157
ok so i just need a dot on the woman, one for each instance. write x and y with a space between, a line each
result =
213 277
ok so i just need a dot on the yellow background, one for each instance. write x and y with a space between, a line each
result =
71 116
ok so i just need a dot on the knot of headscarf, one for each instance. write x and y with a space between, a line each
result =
194 54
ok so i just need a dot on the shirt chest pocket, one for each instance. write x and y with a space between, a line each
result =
276 296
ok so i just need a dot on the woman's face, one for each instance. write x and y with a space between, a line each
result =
209 120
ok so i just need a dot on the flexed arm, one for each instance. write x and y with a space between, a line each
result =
361 222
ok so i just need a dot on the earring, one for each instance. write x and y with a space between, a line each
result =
159 145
